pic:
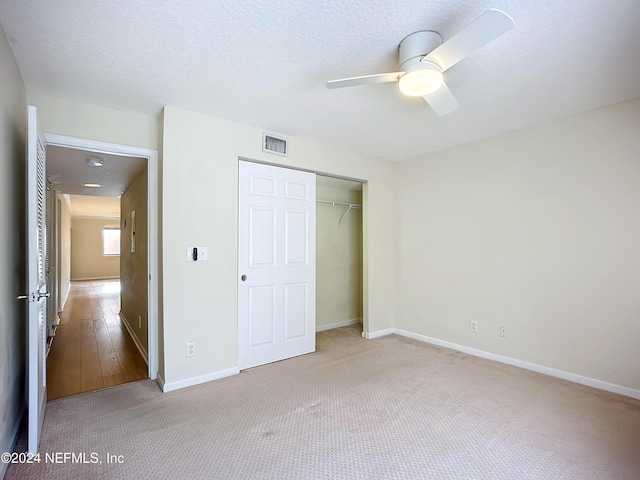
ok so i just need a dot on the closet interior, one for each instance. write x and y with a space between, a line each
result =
338 252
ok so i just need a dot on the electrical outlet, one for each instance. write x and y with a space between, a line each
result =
503 331
191 349
474 326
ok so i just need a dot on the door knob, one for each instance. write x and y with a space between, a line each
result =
243 278
22 297
44 295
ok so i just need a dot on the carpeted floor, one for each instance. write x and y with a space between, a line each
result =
390 408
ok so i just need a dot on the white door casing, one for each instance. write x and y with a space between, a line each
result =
36 281
276 264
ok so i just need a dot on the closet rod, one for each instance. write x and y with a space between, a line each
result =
338 204
348 206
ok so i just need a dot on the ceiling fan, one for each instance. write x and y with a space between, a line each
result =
424 58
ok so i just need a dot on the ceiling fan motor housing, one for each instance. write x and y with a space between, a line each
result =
414 47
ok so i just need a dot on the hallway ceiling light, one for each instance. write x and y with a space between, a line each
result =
55 179
92 185
95 161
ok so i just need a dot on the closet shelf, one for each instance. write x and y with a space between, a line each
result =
348 206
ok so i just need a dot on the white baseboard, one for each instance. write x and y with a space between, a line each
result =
86 279
160 381
572 377
189 382
344 323
15 431
65 296
378 333
141 348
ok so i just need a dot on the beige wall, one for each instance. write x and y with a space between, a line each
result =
202 305
87 260
12 253
537 230
64 245
74 119
133 266
510 229
199 207
338 259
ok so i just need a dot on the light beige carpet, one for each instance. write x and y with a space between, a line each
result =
390 408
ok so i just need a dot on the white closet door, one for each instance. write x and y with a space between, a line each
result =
276 264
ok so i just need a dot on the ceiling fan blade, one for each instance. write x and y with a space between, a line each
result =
442 101
487 27
364 80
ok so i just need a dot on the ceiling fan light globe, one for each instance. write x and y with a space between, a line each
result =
418 83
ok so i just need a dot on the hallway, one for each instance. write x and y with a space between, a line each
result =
92 349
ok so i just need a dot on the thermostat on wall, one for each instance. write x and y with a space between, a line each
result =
197 254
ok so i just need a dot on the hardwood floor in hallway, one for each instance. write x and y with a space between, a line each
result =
92 349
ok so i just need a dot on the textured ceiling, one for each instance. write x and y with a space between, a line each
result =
265 62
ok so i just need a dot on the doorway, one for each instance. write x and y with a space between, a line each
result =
104 298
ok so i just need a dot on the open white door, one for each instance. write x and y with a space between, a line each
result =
276 264
36 282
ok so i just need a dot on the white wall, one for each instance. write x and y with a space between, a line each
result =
199 203
538 230
338 259
13 126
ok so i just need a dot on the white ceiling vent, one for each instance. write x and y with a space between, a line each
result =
273 144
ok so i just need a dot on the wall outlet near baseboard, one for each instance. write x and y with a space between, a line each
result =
474 326
191 349
503 331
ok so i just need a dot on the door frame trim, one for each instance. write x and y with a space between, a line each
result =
151 155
